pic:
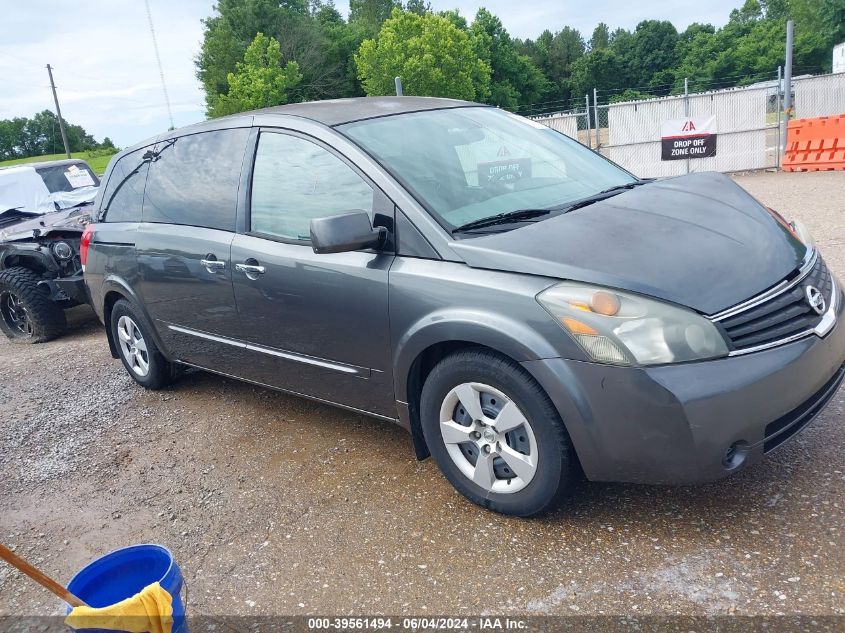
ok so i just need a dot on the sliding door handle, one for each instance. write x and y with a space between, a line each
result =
213 265
250 269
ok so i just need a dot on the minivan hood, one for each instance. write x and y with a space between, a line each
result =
698 240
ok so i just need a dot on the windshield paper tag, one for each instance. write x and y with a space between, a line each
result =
503 171
79 177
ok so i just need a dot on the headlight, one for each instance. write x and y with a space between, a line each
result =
620 328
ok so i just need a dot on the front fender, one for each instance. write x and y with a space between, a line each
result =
510 337
27 250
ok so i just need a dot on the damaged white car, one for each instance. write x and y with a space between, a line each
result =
44 208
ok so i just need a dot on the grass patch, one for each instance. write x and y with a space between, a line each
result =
97 160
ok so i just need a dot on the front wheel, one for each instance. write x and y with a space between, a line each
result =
495 434
27 315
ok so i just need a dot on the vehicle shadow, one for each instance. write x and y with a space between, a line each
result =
785 482
81 320
780 484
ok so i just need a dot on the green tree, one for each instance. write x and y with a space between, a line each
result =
13 138
599 69
371 14
260 80
339 41
454 16
311 33
431 55
600 38
653 52
22 137
515 80
629 94
694 29
749 13
227 35
554 55
832 14
418 6
653 58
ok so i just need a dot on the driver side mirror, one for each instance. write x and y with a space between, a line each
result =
345 232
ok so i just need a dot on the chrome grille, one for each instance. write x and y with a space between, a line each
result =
781 316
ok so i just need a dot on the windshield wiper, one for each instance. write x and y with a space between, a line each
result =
526 214
503 218
601 195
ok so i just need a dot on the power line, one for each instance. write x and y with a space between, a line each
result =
158 61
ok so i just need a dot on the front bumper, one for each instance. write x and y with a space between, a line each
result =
675 423
72 288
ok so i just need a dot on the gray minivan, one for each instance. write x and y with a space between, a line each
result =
527 309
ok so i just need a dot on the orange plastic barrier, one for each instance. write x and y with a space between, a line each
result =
815 144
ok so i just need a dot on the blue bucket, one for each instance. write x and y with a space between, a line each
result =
125 572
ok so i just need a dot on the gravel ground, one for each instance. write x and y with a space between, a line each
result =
276 505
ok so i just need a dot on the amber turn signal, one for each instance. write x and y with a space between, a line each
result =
576 327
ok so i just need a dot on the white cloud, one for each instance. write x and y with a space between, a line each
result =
103 64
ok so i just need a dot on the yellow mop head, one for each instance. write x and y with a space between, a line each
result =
151 611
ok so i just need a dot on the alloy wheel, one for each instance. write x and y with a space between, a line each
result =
133 346
15 314
488 438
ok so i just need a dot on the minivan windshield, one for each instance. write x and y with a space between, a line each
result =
469 164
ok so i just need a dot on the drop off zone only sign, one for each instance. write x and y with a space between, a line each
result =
681 139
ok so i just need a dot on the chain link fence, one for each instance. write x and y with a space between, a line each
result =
822 95
574 123
747 124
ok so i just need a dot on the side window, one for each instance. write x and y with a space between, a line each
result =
194 179
295 180
123 196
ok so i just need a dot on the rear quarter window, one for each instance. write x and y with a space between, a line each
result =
194 180
123 196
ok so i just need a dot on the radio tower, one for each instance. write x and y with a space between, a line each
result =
158 61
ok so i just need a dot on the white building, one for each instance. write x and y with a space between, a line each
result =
839 58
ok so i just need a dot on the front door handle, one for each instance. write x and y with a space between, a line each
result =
251 270
213 265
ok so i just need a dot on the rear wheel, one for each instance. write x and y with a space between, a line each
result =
495 434
137 350
27 315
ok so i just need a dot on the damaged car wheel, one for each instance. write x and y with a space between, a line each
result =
27 315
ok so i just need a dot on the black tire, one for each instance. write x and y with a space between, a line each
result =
160 372
27 315
556 463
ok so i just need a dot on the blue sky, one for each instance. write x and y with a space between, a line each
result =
107 78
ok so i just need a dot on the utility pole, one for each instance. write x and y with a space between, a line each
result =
398 82
787 79
58 111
